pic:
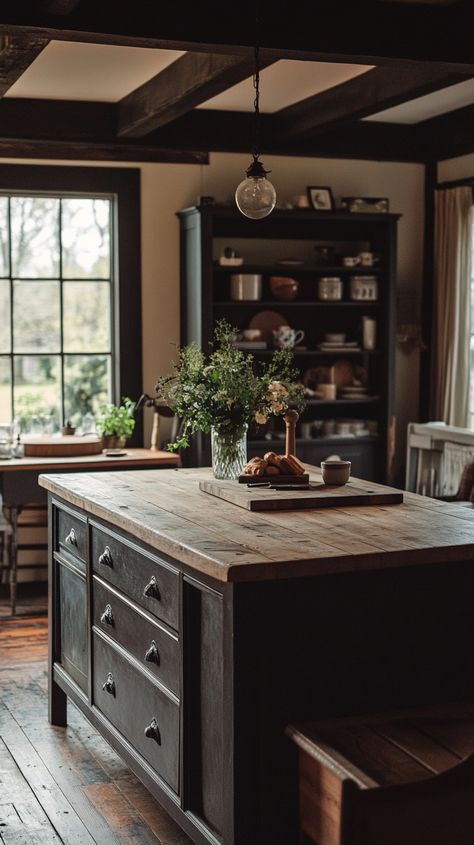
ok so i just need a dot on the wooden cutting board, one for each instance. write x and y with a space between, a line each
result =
66 445
318 496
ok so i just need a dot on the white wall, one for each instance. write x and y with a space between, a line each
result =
166 188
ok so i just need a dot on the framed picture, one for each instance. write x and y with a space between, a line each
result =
320 199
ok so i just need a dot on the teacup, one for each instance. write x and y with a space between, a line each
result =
367 259
351 260
336 472
284 337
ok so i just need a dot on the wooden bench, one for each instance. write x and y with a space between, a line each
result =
404 778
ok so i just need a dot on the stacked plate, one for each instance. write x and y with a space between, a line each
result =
334 346
353 392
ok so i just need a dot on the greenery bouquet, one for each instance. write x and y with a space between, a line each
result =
224 392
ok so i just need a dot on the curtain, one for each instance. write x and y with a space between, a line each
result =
453 215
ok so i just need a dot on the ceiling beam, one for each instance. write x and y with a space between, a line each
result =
366 32
366 94
57 129
56 7
17 52
233 132
448 135
190 80
96 151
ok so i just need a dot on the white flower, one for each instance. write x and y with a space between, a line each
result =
261 419
277 388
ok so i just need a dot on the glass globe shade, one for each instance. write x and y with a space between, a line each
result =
255 197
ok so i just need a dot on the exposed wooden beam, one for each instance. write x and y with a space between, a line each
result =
95 151
86 131
371 92
233 132
190 80
57 7
45 128
17 52
366 31
448 135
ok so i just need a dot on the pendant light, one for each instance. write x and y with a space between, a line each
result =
255 196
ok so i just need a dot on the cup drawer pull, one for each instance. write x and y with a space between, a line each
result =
152 655
153 731
151 590
107 617
106 557
71 538
109 684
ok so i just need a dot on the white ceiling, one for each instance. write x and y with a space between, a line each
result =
285 83
66 70
439 102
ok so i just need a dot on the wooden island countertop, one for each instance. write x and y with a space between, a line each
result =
166 510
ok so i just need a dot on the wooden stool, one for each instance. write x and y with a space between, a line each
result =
405 778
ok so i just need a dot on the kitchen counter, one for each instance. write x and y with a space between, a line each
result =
191 631
167 510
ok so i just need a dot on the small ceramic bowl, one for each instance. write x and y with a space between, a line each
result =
336 472
335 338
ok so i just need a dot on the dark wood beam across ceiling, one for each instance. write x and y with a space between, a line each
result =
56 7
448 135
367 31
190 80
17 52
87 131
366 94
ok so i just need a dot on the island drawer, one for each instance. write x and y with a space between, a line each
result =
149 643
145 715
71 534
146 579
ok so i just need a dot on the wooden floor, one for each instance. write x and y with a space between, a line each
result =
62 785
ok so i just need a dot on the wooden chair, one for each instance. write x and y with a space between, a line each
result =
398 779
5 545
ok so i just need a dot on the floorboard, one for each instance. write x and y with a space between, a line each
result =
62 785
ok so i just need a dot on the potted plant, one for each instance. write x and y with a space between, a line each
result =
224 392
116 423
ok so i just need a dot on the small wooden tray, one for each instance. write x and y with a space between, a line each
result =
274 479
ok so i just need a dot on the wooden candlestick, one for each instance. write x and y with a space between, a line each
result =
291 418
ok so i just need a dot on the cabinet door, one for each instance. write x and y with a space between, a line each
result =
72 595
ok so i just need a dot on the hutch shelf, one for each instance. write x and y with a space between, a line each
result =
317 241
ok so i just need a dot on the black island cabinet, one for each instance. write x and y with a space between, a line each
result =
192 632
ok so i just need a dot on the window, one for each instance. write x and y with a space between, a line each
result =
66 275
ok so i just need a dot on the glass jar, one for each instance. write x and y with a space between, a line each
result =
6 441
330 288
229 452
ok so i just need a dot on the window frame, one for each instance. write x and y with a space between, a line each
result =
123 185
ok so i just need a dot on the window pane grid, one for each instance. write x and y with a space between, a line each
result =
60 323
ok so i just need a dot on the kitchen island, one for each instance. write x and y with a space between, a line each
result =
191 631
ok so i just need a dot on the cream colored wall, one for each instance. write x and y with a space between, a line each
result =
456 168
166 188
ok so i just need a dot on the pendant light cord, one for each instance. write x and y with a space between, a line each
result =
256 84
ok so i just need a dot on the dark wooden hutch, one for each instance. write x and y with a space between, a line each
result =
205 297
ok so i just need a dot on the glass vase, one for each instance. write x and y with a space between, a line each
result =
229 452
